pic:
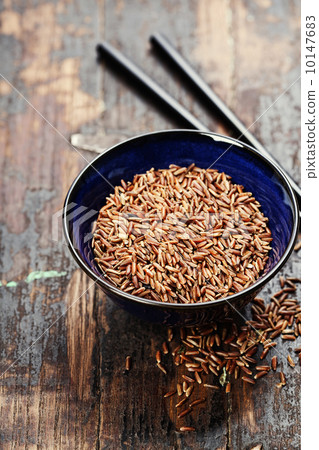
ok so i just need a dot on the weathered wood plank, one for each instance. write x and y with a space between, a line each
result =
260 414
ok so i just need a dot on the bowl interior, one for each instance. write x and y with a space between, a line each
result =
159 150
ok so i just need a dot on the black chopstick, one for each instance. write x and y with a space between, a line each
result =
106 50
161 42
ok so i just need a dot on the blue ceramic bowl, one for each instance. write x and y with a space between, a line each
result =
183 147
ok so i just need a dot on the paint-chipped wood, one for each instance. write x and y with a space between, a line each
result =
62 344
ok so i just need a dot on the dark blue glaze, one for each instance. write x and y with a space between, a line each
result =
182 147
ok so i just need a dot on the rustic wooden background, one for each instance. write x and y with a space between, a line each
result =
62 383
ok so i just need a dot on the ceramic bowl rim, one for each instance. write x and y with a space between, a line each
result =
258 284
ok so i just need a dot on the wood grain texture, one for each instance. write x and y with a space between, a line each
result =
62 343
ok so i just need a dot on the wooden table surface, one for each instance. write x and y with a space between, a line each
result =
62 343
